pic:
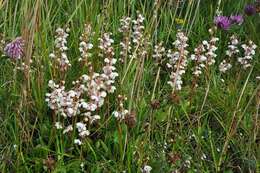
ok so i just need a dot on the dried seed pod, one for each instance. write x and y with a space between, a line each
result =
49 163
173 157
175 98
155 104
130 119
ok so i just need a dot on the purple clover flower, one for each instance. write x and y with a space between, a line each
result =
14 49
250 9
237 19
222 22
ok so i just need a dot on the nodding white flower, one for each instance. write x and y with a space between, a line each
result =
77 142
15 146
81 126
84 133
51 84
58 125
178 61
120 115
82 167
68 129
249 52
203 157
91 119
224 66
52 56
146 169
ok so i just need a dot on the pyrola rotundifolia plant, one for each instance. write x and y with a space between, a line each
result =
88 92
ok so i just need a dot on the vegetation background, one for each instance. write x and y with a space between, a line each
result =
169 138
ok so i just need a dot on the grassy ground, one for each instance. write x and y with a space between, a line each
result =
214 129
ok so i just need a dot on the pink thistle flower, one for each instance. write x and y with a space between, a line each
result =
237 19
14 49
250 9
222 22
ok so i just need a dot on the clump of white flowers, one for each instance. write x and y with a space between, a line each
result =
121 111
203 57
178 61
232 51
62 102
211 47
85 45
199 59
59 56
109 73
82 129
146 169
159 52
94 87
138 29
233 46
125 29
249 52
224 66
88 93
139 39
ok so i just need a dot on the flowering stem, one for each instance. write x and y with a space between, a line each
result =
168 123
127 69
234 123
203 104
256 125
155 83
120 138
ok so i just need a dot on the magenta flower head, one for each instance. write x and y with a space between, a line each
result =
222 22
237 19
14 49
250 9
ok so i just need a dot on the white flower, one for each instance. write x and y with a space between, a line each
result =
81 127
224 66
203 157
146 169
178 60
52 55
77 142
84 133
249 52
68 129
70 111
58 125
